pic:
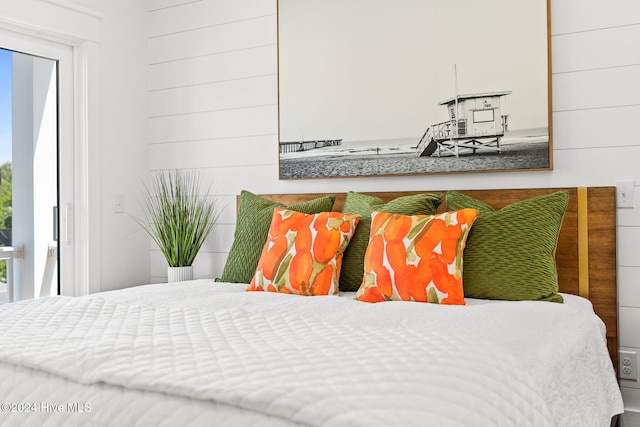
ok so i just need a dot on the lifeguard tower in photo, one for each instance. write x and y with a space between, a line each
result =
476 122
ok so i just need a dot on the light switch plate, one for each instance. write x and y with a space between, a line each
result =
624 193
118 203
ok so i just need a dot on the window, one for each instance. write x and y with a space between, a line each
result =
482 116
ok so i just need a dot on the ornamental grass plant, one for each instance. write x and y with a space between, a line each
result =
177 216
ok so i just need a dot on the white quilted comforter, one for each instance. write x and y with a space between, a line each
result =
199 353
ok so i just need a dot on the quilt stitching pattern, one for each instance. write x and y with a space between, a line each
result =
299 369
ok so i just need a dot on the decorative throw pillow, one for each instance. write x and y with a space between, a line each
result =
252 226
303 252
365 205
510 253
416 258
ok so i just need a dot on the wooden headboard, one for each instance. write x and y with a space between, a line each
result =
586 252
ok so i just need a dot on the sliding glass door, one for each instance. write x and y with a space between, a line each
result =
32 127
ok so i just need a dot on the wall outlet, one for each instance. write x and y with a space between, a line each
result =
624 193
629 365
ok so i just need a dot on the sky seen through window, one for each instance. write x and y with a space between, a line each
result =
5 106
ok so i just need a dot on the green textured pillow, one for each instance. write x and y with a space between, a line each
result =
364 205
510 253
252 228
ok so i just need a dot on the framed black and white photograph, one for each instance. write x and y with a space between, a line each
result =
402 87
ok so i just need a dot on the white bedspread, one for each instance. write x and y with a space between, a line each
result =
320 361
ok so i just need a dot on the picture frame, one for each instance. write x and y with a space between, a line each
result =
406 87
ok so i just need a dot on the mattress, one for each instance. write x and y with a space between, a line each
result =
205 353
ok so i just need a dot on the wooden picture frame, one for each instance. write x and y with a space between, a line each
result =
403 87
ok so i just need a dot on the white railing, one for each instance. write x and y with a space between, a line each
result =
9 253
48 276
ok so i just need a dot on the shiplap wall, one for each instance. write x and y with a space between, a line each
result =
213 106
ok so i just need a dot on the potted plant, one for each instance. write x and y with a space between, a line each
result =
178 217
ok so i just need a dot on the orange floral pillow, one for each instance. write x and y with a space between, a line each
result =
416 258
303 253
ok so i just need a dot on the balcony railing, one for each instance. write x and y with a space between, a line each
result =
9 253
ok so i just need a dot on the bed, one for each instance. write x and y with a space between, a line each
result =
208 352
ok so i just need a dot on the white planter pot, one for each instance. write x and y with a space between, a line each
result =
179 274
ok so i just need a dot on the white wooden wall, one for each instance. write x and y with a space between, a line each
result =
213 106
